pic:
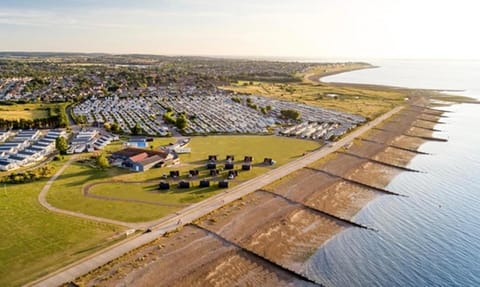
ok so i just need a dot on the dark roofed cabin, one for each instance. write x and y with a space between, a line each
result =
184 184
223 184
229 166
204 183
232 173
211 165
248 158
193 172
164 186
268 161
246 166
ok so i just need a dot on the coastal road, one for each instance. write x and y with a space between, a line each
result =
193 212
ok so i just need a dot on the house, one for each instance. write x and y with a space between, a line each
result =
246 166
137 159
7 165
138 142
4 135
229 166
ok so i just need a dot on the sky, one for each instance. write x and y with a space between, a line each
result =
320 29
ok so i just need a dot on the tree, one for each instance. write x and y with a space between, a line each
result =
137 129
102 161
181 122
115 128
107 126
290 114
62 145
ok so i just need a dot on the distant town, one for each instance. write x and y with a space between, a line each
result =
100 98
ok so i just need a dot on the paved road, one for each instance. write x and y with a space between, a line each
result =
191 213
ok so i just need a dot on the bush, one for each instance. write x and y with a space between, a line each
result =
28 176
290 114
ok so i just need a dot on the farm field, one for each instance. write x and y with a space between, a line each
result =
25 111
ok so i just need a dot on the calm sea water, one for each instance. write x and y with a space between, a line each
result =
431 237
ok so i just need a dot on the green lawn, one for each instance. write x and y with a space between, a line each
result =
35 241
149 192
66 192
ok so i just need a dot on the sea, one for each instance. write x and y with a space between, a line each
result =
431 237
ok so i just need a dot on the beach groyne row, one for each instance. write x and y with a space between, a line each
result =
320 212
256 255
382 190
402 168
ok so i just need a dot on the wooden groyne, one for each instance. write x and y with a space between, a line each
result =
435 115
395 146
427 129
426 138
256 256
430 121
321 212
380 162
358 183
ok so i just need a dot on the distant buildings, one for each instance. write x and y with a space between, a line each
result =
23 148
210 111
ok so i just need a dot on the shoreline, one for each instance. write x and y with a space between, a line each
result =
264 224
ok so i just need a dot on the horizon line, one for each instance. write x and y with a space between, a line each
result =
240 56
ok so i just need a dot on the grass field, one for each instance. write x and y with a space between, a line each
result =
67 193
35 241
24 111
